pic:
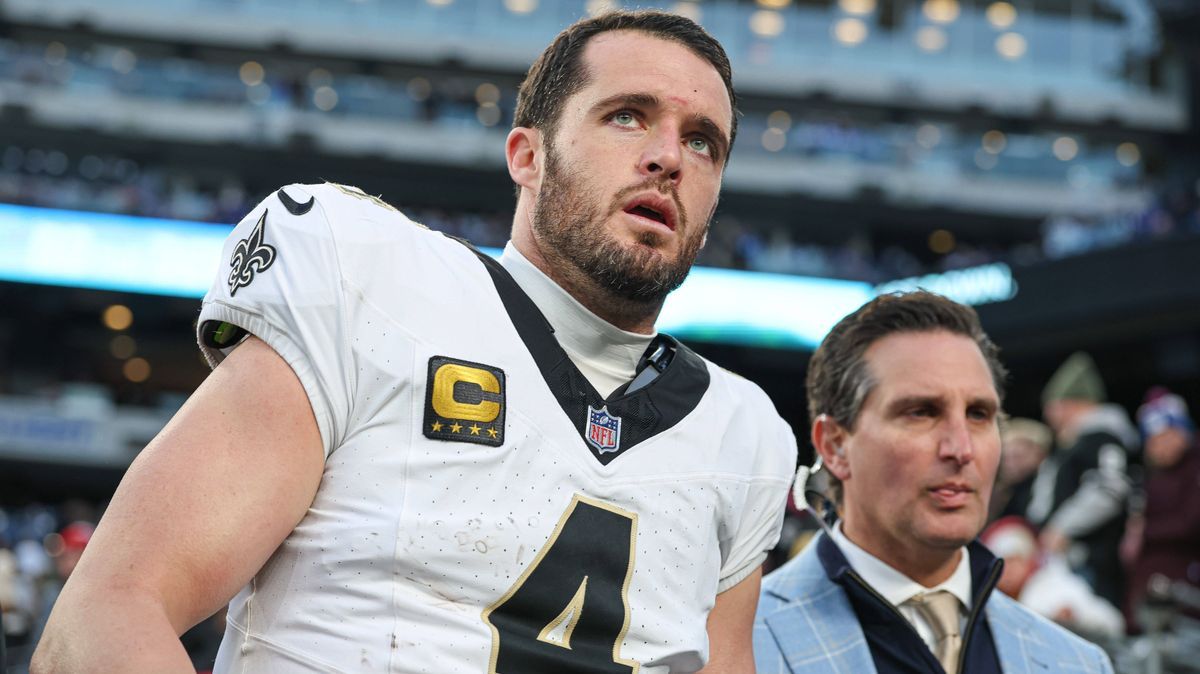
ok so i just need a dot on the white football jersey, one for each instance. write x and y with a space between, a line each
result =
482 508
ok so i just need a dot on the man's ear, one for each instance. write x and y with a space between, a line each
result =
829 439
523 150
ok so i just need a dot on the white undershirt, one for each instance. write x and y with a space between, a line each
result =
605 354
898 588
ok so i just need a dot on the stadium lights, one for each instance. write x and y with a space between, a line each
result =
1011 46
136 370
1128 154
928 136
689 9
766 23
488 114
994 141
251 73
325 98
597 7
942 241
941 11
773 139
774 4
521 6
779 119
985 160
1002 15
117 317
1065 148
850 31
122 347
859 7
931 39
487 93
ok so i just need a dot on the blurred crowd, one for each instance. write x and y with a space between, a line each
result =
1097 516
39 548
52 178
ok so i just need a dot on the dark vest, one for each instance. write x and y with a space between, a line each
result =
895 645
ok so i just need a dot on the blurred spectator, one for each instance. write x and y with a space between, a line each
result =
65 548
16 602
1165 537
1046 584
35 558
68 548
1025 443
1082 489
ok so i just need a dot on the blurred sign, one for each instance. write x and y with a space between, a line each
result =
38 430
108 252
974 285
179 258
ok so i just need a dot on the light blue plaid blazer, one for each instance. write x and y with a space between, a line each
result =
805 625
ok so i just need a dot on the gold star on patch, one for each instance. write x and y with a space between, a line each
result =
437 426
455 427
474 429
492 432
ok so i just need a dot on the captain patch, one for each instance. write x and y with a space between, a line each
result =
464 402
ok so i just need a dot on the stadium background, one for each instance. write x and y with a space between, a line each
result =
1037 158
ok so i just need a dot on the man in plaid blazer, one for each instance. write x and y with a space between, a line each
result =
905 400
805 624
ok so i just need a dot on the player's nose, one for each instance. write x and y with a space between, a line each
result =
662 154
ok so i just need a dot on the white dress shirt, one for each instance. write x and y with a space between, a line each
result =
605 354
898 588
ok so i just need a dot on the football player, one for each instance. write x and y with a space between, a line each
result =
414 458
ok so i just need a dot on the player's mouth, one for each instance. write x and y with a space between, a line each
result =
951 495
652 208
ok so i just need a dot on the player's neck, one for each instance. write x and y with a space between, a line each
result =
626 314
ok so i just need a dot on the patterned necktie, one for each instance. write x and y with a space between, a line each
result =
941 610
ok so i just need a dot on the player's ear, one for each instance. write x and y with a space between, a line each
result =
829 439
523 150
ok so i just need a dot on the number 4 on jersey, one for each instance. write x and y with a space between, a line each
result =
569 611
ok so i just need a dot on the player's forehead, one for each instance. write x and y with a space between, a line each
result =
636 62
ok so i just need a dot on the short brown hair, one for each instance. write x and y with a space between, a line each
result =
560 72
838 378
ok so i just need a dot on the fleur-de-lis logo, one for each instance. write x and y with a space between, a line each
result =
250 257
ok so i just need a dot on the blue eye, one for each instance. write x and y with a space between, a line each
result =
700 145
624 118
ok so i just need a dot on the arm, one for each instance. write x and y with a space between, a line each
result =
1101 496
197 514
731 627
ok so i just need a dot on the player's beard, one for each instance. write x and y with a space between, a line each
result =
569 223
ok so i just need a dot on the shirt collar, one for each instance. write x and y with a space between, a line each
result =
893 585
581 333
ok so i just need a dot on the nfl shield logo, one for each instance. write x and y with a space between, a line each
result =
603 430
